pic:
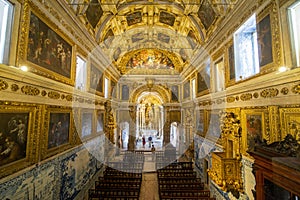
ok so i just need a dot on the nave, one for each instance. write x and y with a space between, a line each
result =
142 175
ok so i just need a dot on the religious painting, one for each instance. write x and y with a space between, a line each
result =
149 59
206 14
163 37
125 92
108 38
13 136
200 121
94 12
183 55
86 124
186 90
191 37
113 89
59 129
137 37
175 93
166 18
290 122
117 53
253 127
231 63
264 39
48 50
96 79
213 125
134 18
99 121
203 80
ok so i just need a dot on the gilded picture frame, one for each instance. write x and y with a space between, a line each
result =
290 122
229 62
46 50
58 130
87 124
253 122
200 122
174 93
269 55
99 121
113 88
96 83
18 133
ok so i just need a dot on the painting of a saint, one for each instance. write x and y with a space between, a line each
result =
94 12
13 136
86 124
186 90
254 129
203 79
96 79
175 93
100 118
59 126
231 62
166 18
47 49
264 38
134 18
125 92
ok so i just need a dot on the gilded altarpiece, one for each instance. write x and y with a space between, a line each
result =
226 166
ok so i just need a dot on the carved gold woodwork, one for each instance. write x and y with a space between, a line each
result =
110 124
226 169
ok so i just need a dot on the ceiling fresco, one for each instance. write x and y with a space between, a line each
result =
179 27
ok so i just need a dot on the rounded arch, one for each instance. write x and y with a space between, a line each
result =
164 93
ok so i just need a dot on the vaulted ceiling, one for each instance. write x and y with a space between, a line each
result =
169 30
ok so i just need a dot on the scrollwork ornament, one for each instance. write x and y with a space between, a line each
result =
53 95
230 99
269 93
296 89
29 90
246 97
3 85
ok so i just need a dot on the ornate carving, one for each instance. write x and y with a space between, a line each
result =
3 85
296 89
110 124
255 95
269 93
29 90
284 91
246 97
230 99
69 97
226 166
53 95
14 87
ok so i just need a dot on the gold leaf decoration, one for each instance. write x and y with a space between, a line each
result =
29 90
269 93
14 87
3 85
246 97
296 89
53 95
230 99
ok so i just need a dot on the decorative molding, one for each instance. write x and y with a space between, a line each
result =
30 90
3 85
269 93
296 89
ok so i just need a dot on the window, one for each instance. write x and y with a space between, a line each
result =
106 82
80 73
246 50
6 13
294 14
194 88
219 76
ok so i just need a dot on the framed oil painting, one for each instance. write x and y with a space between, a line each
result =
186 90
16 137
96 79
290 122
203 80
175 93
253 127
230 65
213 125
264 40
200 122
48 51
86 124
206 14
113 88
125 92
99 121
134 18
59 129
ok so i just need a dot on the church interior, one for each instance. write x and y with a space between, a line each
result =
150 99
